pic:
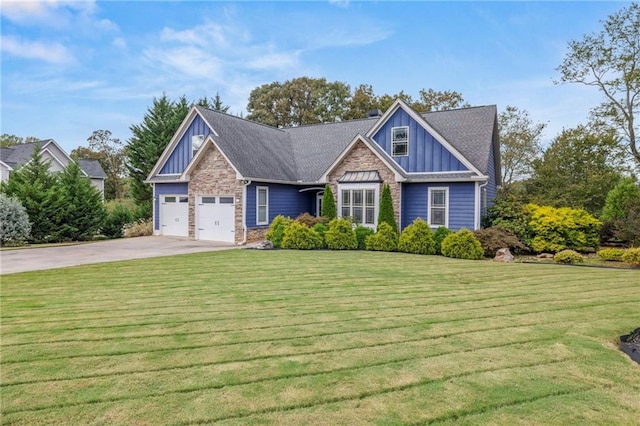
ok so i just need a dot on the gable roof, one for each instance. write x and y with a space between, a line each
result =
303 154
92 168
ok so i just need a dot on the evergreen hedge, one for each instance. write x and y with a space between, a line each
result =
417 238
340 235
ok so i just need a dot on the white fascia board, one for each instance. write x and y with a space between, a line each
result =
185 176
9 168
445 179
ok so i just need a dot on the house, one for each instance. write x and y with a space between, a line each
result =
15 156
225 178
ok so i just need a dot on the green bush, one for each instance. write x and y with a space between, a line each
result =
494 238
328 203
14 221
362 232
385 239
276 230
611 254
632 257
439 236
509 212
627 228
568 257
321 228
340 235
556 229
417 238
300 237
618 198
386 213
117 217
462 245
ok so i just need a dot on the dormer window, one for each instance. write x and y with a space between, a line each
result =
400 141
196 143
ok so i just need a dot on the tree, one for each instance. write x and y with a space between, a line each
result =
14 221
610 61
519 143
328 203
361 103
618 198
111 154
214 103
7 140
434 100
149 139
577 170
386 213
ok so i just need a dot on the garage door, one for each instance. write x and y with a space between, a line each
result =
174 215
215 218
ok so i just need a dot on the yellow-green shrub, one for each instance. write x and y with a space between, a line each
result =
556 229
568 257
276 230
611 254
340 235
385 239
300 237
417 238
632 257
462 245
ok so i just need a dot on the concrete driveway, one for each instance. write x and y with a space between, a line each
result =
32 259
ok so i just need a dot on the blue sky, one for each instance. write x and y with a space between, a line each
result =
72 67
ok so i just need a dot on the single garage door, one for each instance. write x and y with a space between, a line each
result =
215 218
174 215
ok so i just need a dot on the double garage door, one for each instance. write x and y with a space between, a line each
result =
215 217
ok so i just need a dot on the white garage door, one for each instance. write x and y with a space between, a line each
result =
215 218
174 215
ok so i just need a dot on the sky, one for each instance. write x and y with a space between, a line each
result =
69 68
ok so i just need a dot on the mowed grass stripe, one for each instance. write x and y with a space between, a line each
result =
299 363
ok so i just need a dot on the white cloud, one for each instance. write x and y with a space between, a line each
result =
119 42
51 13
280 60
188 61
340 3
202 35
54 53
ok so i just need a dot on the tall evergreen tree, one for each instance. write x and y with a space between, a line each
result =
149 139
386 213
328 203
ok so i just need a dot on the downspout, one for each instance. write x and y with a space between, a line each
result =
480 200
244 211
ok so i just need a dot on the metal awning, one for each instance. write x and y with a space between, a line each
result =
365 176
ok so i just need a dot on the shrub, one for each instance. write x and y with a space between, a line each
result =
618 198
300 237
385 239
386 214
494 238
627 228
462 245
509 212
568 257
14 221
439 236
556 229
139 228
611 254
328 203
362 232
340 235
632 257
417 238
321 228
119 216
276 230
309 220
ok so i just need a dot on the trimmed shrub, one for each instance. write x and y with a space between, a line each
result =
328 203
618 198
611 254
417 238
386 214
309 220
362 232
494 238
556 229
385 239
462 245
276 230
340 235
300 237
509 212
117 217
321 228
632 257
14 221
439 236
568 257
139 228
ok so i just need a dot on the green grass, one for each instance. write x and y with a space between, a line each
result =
287 337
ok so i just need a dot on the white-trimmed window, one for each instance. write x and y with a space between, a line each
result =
400 141
438 207
262 205
360 203
196 143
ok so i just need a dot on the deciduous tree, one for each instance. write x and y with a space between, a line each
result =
111 154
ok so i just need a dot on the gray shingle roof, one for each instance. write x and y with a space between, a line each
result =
92 168
303 154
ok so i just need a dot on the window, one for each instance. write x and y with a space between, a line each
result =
359 204
196 143
262 205
438 207
400 141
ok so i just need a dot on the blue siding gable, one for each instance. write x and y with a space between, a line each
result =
426 154
181 155
461 203
286 200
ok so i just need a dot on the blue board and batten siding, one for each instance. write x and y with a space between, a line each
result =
182 154
286 200
159 189
426 154
461 203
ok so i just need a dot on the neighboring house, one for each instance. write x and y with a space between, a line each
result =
225 178
15 156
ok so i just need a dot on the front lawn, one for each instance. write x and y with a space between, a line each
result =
290 337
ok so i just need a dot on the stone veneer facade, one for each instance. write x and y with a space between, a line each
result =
214 176
361 159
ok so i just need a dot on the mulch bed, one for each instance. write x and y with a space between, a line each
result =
630 344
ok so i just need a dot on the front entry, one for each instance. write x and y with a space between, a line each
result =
215 218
